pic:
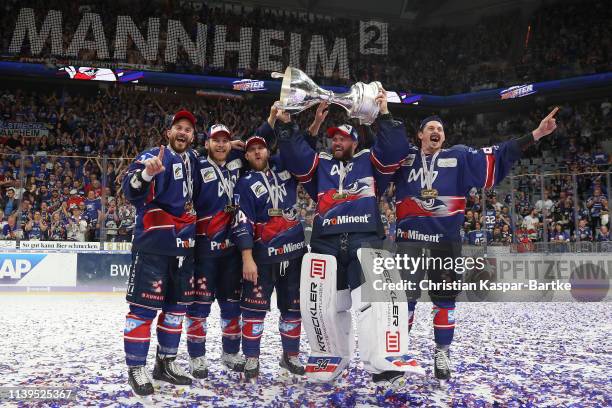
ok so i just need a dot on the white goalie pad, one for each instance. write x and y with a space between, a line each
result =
325 318
382 320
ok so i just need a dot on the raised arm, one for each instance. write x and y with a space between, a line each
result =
487 167
391 145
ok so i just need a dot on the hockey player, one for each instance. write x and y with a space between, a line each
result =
217 262
159 184
431 189
345 184
271 239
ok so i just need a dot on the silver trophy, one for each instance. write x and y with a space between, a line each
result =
299 92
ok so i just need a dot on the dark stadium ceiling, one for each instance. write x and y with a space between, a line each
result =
415 12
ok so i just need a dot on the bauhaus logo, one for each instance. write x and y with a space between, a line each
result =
13 267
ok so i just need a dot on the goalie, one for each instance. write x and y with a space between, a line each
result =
345 184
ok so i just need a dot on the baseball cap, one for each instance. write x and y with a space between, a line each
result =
217 129
184 114
255 140
346 130
429 119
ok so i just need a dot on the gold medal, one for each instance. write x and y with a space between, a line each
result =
339 196
429 193
189 207
229 209
275 212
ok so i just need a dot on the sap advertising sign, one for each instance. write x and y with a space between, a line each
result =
35 269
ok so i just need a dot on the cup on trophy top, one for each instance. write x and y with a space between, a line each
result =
299 92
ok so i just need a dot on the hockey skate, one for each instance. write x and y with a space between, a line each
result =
442 365
389 380
199 367
166 369
291 366
251 369
233 361
140 381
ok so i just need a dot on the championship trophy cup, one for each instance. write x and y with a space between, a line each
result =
299 92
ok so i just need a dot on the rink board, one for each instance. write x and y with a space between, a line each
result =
64 271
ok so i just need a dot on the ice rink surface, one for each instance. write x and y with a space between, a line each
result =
504 354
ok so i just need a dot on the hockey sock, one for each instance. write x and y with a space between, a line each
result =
230 326
137 335
196 328
411 309
444 322
290 327
169 328
252 330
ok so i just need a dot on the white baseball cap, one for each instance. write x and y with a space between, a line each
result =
218 128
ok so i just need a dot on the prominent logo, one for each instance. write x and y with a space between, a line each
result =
217 245
392 342
187 243
258 189
317 268
13 267
285 249
177 170
208 174
347 219
418 236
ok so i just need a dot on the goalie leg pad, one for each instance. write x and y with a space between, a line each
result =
383 323
329 331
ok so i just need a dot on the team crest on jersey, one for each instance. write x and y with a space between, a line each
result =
208 174
448 162
417 175
409 160
177 170
284 175
258 189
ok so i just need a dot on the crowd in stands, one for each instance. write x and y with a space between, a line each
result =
71 177
559 39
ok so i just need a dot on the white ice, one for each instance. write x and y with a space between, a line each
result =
512 354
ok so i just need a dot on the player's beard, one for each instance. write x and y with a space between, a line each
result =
218 156
258 165
344 155
178 145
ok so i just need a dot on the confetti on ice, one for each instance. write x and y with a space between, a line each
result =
504 355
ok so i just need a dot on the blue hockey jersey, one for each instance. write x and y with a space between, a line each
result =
456 171
162 224
213 226
367 174
276 238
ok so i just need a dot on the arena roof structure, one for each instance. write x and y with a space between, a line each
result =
417 12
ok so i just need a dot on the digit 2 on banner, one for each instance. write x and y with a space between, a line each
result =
373 38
